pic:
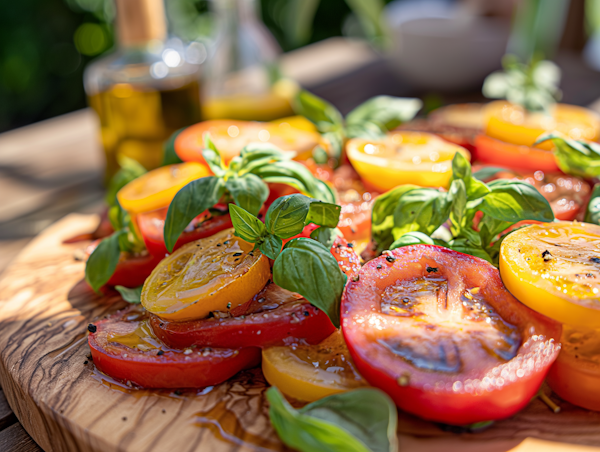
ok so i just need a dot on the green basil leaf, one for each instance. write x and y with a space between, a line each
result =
188 203
287 215
382 215
489 228
318 111
592 213
336 139
133 296
464 246
103 261
246 225
579 158
461 170
386 112
323 214
271 247
422 209
488 172
363 420
295 183
514 201
458 196
170 157
412 238
130 169
249 192
308 268
366 130
254 155
326 236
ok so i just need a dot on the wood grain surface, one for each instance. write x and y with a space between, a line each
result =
66 405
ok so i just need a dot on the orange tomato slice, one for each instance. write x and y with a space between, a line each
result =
217 273
513 124
311 372
514 156
554 268
157 188
404 158
231 136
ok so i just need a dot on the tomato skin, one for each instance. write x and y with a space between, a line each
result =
151 226
132 272
431 394
500 153
174 369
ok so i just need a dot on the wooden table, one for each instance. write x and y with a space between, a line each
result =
54 167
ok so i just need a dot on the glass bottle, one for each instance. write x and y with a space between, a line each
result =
243 79
147 89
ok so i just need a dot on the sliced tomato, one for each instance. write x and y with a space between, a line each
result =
151 226
514 156
124 347
273 316
437 330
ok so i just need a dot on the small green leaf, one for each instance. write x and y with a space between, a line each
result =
170 157
323 214
579 158
271 247
189 202
249 192
287 215
308 268
130 169
325 236
133 296
461 170
382 215
324 115
488 172
514 201
363 420
386 112
458 196
592 213
254 155
412 238
246 225
464 246
422 209
103 261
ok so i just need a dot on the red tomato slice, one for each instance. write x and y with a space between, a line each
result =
438 331
124 347
500 153
152 225
273 316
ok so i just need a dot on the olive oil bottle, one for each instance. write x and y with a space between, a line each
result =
147 89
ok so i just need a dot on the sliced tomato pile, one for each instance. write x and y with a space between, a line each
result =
437 330
124 347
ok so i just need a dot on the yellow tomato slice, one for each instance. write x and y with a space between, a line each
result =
554 268
404 158
575 375
231 136
311 372
513 124
217 273
157 188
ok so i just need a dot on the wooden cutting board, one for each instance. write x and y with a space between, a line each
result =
66 405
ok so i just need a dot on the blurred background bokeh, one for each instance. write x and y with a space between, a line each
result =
45 45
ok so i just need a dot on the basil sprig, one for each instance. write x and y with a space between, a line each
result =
592 213
243 182
580 158
133 296
534 86
371 119
305 266
363 420
130 169
407 215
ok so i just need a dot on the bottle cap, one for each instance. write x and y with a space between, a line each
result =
140 21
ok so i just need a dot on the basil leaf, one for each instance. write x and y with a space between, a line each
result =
246 225
592 213
382 215
133 296
249 192
514 201
130 169
325 236
287 215
189 202
386 112
295 183
317 110
422 209
103 261
363 420
271 247
308 268
323 214
254 155
489 228
580 158
458 195
170 157
366 130
336 139
488 172
461 170
412 238
466 247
